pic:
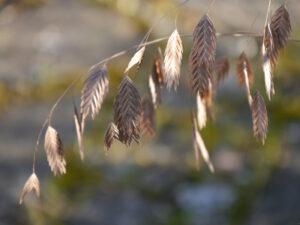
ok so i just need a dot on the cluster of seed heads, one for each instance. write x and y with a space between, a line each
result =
134 116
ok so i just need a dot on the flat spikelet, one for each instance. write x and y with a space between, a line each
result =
243 68
259 117
221 67
201 112
148 117
202 55
173 56
111 133
245 74
155 89
198 141
157 78
158 69
268 60
94 90
136 59
54 152
31 184
280 27
79 131
127 112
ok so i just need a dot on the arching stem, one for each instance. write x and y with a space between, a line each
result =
211 3
108 59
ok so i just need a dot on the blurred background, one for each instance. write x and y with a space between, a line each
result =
45 44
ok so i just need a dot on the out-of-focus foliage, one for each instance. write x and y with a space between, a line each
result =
23 3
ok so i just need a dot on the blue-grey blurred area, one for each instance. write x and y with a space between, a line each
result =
46 44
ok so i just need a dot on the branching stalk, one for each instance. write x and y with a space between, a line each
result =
114 56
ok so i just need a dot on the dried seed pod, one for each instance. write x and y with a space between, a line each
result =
268 60
245 75
259 117
155 89
157 78
202 55
31 184
158 69
79 131
127 112
111 133
244 67
199 143
280 27
136 59
54 152
173 56
94 91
